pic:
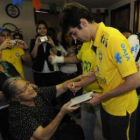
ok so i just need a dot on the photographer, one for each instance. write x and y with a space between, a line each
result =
40 49
14 51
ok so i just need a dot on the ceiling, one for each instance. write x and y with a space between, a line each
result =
88 3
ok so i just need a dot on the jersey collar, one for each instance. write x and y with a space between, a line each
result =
97 40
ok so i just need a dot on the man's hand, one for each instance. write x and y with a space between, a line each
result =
75 86
53 59
22 44
6 45
88 74
71 50
96 99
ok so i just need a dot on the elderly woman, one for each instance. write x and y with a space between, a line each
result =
31 114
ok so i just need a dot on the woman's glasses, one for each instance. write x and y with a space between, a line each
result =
25 88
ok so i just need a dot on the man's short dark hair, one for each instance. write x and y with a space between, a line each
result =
71 14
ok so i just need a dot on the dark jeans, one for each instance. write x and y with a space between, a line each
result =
70 132
115 127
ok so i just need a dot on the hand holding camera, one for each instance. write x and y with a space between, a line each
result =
47 39
44 39
21 44
12 42
6 44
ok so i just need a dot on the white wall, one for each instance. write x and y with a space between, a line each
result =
25 21
119 4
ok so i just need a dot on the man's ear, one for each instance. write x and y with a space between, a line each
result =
83 22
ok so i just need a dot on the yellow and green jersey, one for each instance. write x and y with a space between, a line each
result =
113 62
13 56
86 55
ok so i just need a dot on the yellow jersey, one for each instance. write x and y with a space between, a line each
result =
86 55
13 56
113 62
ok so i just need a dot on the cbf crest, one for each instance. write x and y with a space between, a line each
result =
17 54
97 70
100 55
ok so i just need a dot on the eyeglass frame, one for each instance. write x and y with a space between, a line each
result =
26 88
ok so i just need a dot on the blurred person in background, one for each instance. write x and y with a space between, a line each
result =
15 51
40 50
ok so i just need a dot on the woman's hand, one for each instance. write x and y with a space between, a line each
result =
38 42
50 41
66 109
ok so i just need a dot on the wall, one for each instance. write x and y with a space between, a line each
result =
119 4
25 21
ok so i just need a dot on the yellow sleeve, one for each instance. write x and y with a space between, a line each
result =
122 57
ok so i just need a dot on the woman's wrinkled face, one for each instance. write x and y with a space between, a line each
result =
42 30
25 91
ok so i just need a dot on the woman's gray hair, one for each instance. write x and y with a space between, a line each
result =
9 88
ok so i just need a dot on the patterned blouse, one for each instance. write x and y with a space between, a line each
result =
24 120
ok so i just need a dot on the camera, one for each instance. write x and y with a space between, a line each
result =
44 39
13 42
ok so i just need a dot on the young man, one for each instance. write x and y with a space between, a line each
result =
14 52
114 68
88 113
